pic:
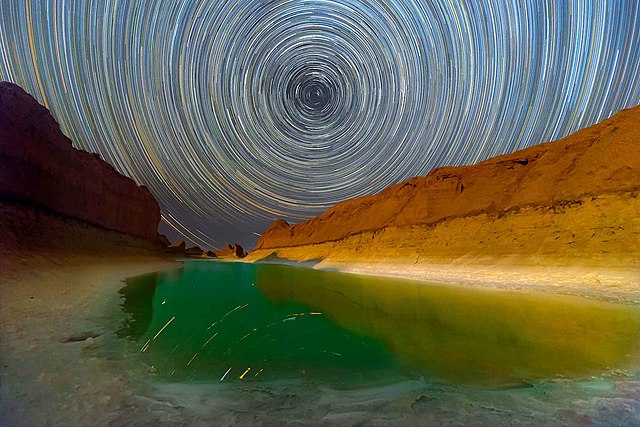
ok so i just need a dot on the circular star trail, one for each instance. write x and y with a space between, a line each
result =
237 112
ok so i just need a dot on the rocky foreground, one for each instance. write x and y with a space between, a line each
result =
569 202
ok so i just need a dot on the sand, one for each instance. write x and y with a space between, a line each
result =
614 284
44 301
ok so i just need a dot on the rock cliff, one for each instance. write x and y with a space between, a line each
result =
536 200
41 168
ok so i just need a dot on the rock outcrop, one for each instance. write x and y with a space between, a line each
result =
194 251
590 180
39 167
177 247
164 240
231 251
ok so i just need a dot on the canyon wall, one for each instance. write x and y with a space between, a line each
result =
576 197
40 168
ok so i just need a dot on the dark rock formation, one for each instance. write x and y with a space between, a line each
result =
239 251
177 247
164 240
194 251
602 159
40 167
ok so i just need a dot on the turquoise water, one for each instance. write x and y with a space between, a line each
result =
213 321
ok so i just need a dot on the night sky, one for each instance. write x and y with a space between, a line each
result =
238 112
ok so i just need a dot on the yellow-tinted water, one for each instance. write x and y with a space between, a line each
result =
470 335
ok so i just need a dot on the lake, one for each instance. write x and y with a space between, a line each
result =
235 322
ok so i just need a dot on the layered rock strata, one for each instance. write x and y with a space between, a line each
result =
40 168
573 198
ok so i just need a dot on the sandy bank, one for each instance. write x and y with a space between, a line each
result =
618 284
46 299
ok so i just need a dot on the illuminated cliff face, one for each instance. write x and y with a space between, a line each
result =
576 197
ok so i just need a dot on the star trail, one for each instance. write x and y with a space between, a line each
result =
238 112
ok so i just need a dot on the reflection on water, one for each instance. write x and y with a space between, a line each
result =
216 320
138 303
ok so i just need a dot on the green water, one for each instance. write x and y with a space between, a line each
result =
214 320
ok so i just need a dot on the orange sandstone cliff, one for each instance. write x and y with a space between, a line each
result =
575 197
49 188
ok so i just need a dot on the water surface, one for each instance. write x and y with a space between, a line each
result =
212 321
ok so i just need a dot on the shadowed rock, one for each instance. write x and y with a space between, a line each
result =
194 251
41 168
177 247
164 240
82 336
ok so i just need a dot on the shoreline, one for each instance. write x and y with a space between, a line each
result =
587 246
614 286
618 283
45 300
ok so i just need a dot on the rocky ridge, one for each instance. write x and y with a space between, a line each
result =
231 251
588 182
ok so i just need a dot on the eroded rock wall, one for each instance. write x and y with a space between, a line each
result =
602 159
40 167
596 230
